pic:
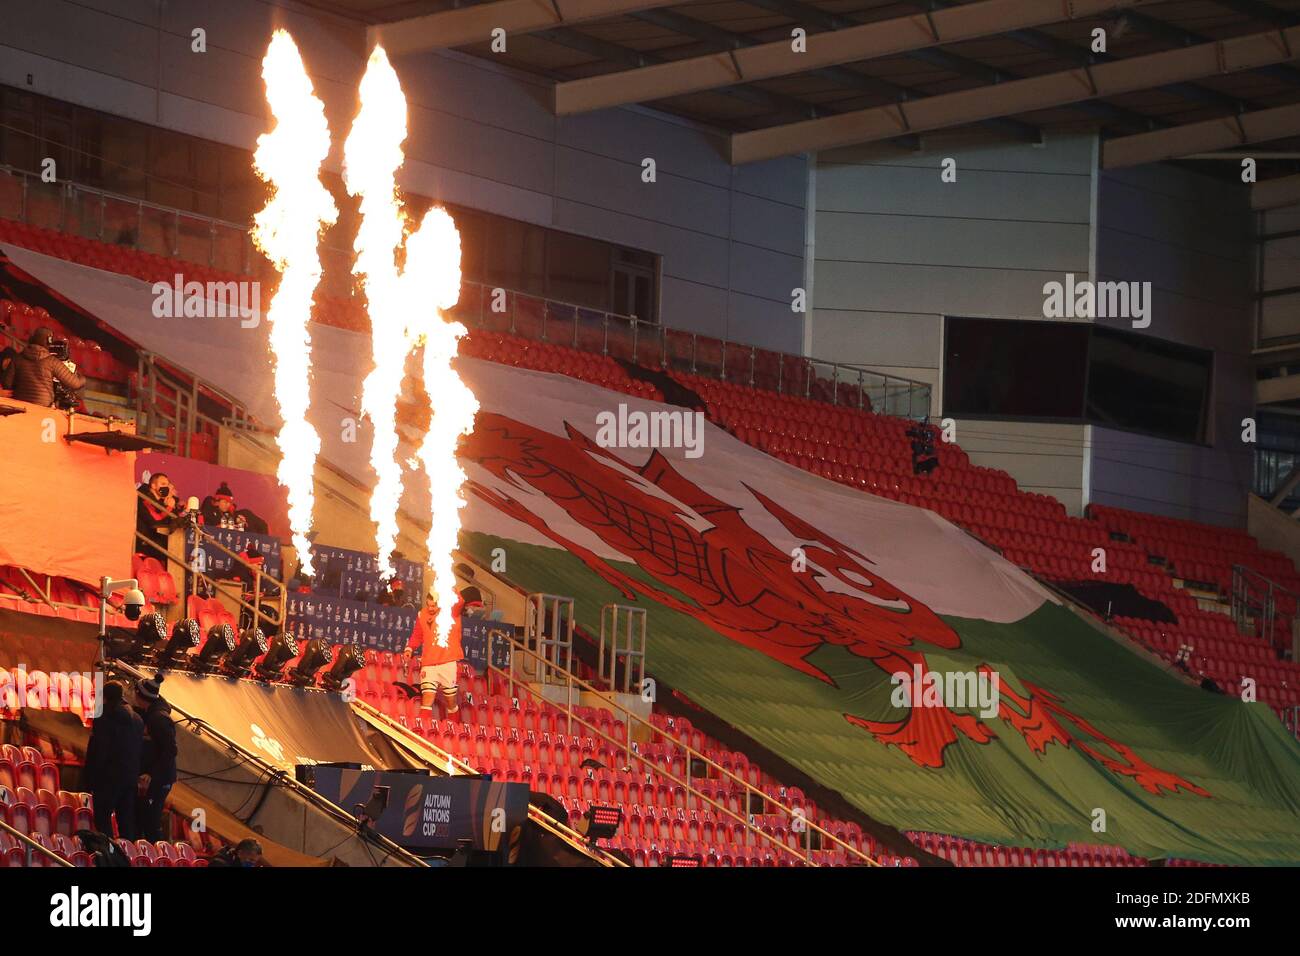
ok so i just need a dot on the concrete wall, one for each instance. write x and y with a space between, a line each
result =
481 136
1279 318
897 249
1192 237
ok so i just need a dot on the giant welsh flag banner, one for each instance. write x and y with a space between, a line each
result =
870 643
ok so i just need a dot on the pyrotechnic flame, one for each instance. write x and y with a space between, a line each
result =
287 230
371 158
405 310
433 262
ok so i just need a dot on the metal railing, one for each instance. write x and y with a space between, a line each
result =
452 765
169 400
650 344
1254 602
194 575
99 214
799 821
30 846
148 227
548 630
624 629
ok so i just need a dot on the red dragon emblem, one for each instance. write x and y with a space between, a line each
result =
710 563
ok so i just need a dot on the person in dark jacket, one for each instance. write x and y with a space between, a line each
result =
158 765
113 763
35 369
219 511
157 514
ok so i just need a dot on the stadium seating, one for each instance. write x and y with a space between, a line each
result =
71 601
520 741
1164 559
1180 564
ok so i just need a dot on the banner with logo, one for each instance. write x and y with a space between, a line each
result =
431 813
341 621
217 563
484 640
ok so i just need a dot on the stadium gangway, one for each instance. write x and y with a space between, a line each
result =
193 574
30 847
799 820
452 765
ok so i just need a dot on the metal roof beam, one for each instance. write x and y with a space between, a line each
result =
474 24
1261 126
1049 91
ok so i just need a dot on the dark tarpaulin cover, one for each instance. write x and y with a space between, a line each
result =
1119 600
285 726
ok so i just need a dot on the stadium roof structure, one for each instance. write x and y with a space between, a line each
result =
1178 78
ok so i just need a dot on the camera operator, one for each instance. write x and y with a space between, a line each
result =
43 366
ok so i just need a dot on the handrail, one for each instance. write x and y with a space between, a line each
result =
649 344
690 752
1247 603
796 374
185 417
196 575
453 763
31 845
212 583
45 598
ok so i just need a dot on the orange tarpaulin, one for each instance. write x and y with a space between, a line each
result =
66 508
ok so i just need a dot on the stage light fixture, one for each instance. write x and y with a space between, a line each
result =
252 645
603 822
133 647
348 659
220 643
316 656
186 635
283 649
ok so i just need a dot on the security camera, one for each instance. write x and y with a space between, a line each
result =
133 604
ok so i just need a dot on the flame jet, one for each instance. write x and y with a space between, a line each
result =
433 262
405 307
287 231
372 155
